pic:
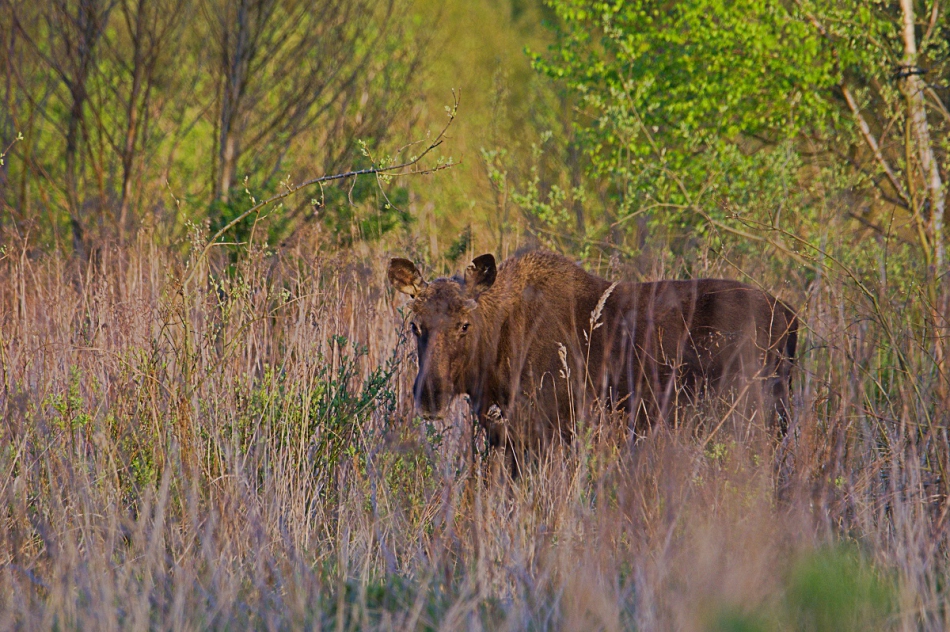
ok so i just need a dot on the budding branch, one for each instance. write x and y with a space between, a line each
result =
393 170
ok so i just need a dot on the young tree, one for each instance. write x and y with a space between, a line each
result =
151 30
63 39
915 92
283 67
128 100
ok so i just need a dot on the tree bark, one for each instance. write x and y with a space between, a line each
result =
236 61
916 112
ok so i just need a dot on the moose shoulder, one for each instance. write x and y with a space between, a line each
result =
539 333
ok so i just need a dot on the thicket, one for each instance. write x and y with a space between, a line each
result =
123 114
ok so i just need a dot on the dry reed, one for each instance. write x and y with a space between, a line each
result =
241 452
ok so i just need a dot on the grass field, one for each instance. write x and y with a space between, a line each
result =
217 442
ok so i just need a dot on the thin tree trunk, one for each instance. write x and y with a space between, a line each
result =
916 111
127 163
914 92
132 123
236 62
228 159
72 148
89 24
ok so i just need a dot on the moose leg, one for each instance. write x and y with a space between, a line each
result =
513 460
780 413
499 437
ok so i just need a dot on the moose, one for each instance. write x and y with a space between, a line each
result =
528 340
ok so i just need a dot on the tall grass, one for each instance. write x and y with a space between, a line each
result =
215 443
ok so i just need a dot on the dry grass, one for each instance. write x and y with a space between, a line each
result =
240 452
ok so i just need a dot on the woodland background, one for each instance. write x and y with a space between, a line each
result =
206 400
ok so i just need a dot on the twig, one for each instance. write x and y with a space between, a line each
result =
872 142
341 176
856 111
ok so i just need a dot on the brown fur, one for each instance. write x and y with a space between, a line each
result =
523 338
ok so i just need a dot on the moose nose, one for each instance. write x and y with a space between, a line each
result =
429 399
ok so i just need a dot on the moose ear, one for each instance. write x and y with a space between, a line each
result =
480 274
404 276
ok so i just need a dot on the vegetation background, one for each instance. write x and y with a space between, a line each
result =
206 401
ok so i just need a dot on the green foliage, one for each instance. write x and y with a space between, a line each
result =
273 229
836 590
324 427
459 245
340 404
733 620
691 105
360 210
692 71
68 405
708 119
830 590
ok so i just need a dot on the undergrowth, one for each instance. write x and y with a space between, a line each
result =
192 444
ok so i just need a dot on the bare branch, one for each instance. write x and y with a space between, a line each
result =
934 14
392 170
938 103
872 143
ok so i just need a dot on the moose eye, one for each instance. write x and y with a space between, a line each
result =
414 328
